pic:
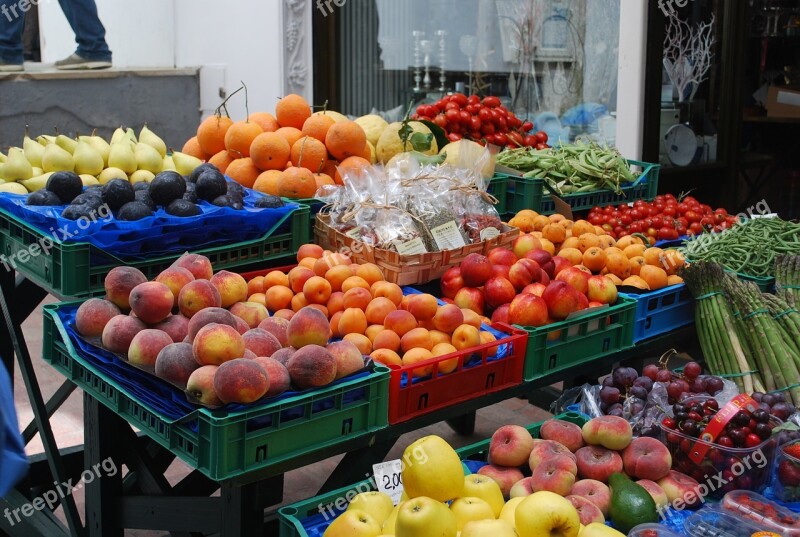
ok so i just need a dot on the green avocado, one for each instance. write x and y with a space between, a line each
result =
631 504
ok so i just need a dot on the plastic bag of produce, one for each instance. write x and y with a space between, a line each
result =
428 198
583 399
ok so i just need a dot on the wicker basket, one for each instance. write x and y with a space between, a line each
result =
405 269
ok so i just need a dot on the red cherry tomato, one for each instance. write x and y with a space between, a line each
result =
452 106
541 136
473 99
475 124
530 141
440 120
452 115
541 146
459 98
471 108
527 126
453 137
500 138
487 128
465 117
515 139
491 101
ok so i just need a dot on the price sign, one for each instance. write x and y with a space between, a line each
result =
388 479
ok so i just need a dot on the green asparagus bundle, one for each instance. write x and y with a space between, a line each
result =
788 319
787 278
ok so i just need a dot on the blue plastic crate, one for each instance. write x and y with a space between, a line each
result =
658 312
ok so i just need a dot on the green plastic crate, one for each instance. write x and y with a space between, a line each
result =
530 193
498 187
225 444
292 516
77 269
314 206
580 340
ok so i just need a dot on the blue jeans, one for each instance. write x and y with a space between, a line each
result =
81 15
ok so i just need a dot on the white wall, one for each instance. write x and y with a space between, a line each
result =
630 76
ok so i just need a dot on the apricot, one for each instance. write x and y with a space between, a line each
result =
445 366
415 356
400 322
386 339
299 301
378 309
465 337
357 297
275 277
313 251
362 342
448 318
423 307
255 286
353 282
298 277
437 336
278 297
317 290
389 290
373 331
353 321
370 272
415 339
387 357
337 276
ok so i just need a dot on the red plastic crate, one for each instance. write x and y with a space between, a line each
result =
446 389
263 272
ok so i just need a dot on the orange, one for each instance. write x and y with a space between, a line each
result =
309 153
656 277
265 120
211 134
350 164
270 151
588 240
636 262
627 240
322 179
653 256
674 279
243 171
635 281
574 255
192 147
292 111
290 133
317 126
554 232
540 221
268 182
570 242
221 160
580 227
634 250
330 168
594 259
673 261
619 265
346 139
240 136
297 183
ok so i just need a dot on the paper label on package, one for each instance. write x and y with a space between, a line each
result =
354 233
388 478
447 236
415 246
489 233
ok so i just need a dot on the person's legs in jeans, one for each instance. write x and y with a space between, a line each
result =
89 31
12 20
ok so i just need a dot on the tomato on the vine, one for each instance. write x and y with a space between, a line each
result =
541 137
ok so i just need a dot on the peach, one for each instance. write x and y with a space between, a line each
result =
277 374
308 327
285 313
400 322
370 273
259 298
151 302
566 433
198 295
437 336
146 345
562 299
321 308
355 281
476 269
655 491
389 290
311 367
261 342
595 491
602 289
677 485
386 339
299 302
119 331
309 250
215 344
404 303
576 278
336 302
387 357
448 318
423 307
502 256
231 286
503 476
208 316
498 291
198 265
500 315
521 274
510 445
93 315
361 342
612 432
119 282
329 260
283 354
528 310
250 312
276 326
250 355
443 349
500 271
308 263
556 474
241 325
522 488
240 381
334 324
276 277
175 363
175 278
373 330
587 511
357 297
471 318
452 281
470 298
349 358
647 458
200 386
378 309
466 337
597 462
535 289
547 449
337 276
256 286
415 356
298 277
416 338
317 290
175 326
353 321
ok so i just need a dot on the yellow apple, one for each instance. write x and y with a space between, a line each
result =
546 513
488 528
432 468
509 509
377 504
353 523
424 517
485 488
388 524
595 529
467 509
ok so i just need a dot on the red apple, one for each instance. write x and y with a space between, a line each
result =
528 310
602 289
562 299
502 256
470 298
500 271
535 289
476 269
498 291
500 315
452 282
576 278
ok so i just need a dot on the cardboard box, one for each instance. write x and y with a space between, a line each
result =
783 101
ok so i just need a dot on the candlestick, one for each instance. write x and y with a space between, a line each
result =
442 34
418 35
427 47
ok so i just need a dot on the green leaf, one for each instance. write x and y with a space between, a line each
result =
438 133
421 142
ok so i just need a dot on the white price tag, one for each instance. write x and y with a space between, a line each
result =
388 478
447 236
412 247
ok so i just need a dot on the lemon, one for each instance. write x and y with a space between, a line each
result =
373 126
390 144
465 153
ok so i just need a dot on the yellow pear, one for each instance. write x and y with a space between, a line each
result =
89 180
142 176
100 145
147 158
130 135
13 188
168 164
3 158
121 156
36 171
33 150
185 164
423 516
111 173
353 523
146 136
17 166
377 504
432 468
66 143
36 183
118 135
57 159
45 139
88 160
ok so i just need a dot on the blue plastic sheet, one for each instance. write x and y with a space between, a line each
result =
155 235
13 461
